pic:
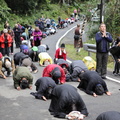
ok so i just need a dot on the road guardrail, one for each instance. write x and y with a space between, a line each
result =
90 48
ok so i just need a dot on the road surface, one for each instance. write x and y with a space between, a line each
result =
20 105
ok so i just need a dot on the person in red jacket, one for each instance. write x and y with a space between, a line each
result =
5 42
60 52
55 72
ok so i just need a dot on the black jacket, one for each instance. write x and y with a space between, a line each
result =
102 43
62 62
109 115
17 56
33 55
89 80
76 67
63 98
17 31
44 85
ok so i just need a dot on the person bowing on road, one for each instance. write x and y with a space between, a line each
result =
76 68
55 72
44 59
109 115
64 100
44 87
92 83
22 78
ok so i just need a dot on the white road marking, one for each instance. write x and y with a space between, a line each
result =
58 42
114 80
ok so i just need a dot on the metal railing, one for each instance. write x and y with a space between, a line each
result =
90 48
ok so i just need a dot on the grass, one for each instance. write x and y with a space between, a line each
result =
71 52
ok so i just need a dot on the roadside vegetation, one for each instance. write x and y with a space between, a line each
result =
71 52
27 11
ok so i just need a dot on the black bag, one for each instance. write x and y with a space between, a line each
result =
113 50
76 37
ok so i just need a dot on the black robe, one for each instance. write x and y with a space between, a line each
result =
18 60
43 87
63 97
109 115
62 62
17 57
75 69
33 55
89 80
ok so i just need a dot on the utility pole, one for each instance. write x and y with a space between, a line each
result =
102 11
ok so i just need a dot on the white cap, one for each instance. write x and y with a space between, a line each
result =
5 30
7 64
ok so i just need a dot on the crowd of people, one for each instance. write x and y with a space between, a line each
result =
66 102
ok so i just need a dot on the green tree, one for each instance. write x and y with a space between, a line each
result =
4 11
112 17
22 6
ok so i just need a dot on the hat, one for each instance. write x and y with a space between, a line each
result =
26 62
34 48
24 84
1 55
64 65
56 73
5 30
99 90
25 51
7 64
62 45
24 47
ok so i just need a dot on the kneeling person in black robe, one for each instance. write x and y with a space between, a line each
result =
92 83
65 99
65 65
76 68
109 115
44 87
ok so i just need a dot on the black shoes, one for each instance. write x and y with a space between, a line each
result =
103 77
116 73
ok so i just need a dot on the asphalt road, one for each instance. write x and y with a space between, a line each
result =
20 105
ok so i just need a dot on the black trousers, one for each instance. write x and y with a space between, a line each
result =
11 47
37 42
101 67
5 51
17 41
117 64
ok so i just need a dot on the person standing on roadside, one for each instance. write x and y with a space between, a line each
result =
37 33
5 42
11 32
77 36
103 39
17 33
75 12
